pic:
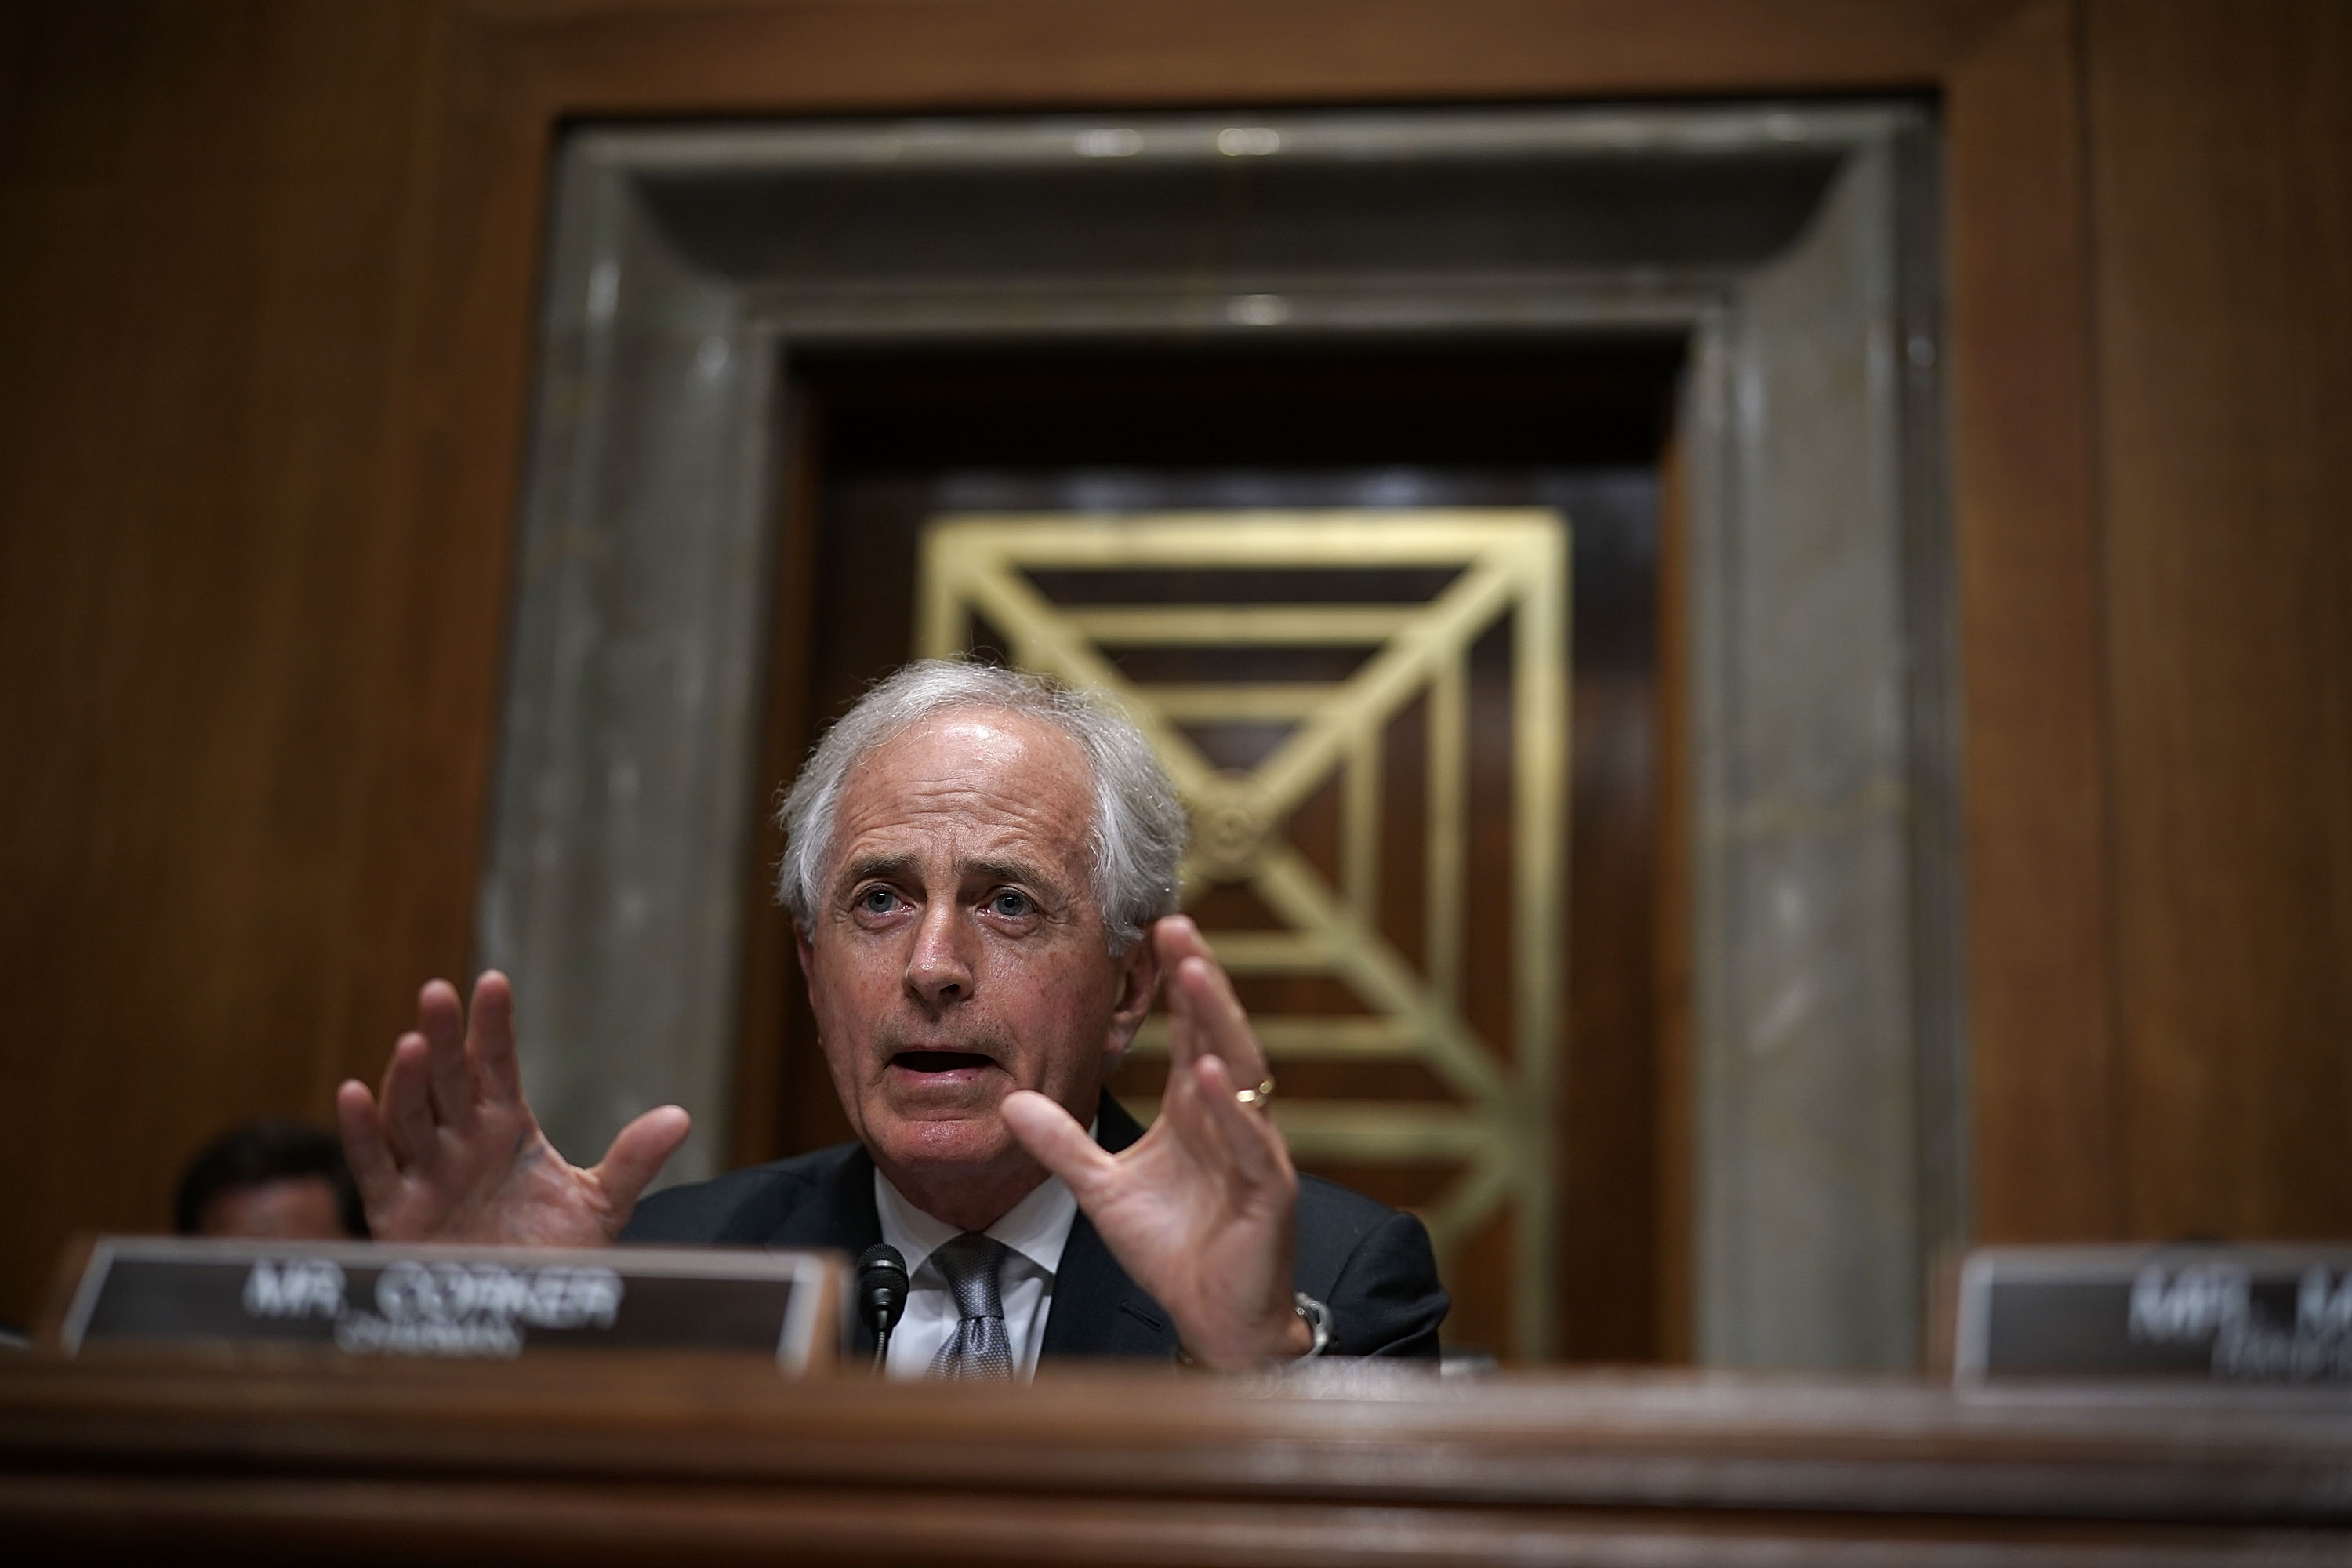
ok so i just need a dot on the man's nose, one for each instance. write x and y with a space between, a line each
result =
938 972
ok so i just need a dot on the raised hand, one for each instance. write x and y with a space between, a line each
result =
451 1151
1201 1210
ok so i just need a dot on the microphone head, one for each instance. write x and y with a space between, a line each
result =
881 1286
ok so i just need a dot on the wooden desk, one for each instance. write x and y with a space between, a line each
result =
687 1461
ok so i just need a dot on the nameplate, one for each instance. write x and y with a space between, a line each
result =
2250 1315
442 1302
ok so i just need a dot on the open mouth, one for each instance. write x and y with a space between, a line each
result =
941 1061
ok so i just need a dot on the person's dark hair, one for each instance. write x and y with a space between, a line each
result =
259 1151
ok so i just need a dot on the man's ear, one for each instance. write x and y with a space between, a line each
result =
808 960
1139 977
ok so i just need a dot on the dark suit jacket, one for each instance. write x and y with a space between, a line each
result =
1368 1263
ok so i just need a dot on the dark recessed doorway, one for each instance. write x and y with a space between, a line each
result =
883 440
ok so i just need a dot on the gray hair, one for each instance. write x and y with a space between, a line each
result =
1138 830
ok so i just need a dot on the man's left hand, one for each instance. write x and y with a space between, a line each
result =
1201 1210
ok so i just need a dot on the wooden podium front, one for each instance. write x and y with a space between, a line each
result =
663 1461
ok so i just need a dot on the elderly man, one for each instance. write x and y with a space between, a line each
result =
981 871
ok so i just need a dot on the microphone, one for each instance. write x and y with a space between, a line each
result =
881 1294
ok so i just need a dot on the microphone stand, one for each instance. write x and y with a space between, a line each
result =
881 1295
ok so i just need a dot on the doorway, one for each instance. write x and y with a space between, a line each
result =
891 441
728 308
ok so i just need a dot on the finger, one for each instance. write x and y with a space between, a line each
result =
1175 939
448 1080
439 1017
1183 1052
1055 1139
1221 1025
407 1113
638 1152
1206 1001
365 1149
1249 1135
489 1039
442 1022
1185 1112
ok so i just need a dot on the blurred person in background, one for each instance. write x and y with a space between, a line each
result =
281 1181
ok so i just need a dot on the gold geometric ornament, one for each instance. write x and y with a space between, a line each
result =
1496 1129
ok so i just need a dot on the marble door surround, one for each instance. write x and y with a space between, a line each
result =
1794 247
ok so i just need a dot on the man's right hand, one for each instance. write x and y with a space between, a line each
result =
451 1151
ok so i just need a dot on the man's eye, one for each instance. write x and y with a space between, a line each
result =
878 900
1009 905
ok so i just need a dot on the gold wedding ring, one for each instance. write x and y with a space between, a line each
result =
1255 1097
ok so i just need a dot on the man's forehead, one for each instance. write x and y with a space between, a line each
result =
971 780
972 747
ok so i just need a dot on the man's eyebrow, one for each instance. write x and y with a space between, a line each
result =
908 869
1012 872
887 867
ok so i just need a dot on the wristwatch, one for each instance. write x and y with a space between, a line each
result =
1319 1318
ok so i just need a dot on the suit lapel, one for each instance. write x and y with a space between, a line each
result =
1097 1310
839 1215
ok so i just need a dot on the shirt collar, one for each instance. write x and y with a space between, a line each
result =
1037 1228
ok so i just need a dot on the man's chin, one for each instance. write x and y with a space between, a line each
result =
942 1141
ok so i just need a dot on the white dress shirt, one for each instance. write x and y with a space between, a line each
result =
1035 1230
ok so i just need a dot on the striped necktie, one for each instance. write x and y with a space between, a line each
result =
979 1349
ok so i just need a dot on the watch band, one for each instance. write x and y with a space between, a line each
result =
1314 1313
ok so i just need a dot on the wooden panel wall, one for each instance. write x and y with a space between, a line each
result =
265 298
2028 566
2221 188
226 857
